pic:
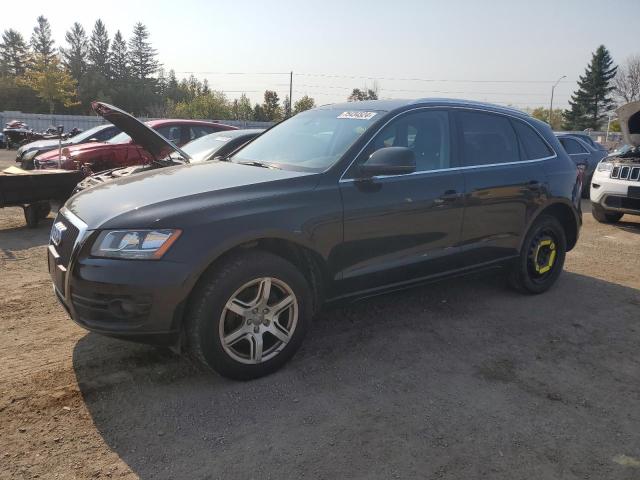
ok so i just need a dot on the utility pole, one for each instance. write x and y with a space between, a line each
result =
551 104
290 93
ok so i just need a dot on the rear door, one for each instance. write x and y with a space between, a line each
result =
577 152
402 227
505 182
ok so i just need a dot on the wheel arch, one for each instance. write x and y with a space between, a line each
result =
566 215
310 263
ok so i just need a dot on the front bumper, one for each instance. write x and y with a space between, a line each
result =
613 194
137 300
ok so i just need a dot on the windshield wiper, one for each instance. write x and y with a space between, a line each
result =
254 163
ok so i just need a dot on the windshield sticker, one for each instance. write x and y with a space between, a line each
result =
358 115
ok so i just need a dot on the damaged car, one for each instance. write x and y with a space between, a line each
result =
214 146
122 150
28 152
615 186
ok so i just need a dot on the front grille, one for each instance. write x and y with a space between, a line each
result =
69 236
626 172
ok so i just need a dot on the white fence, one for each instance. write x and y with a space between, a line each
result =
40 122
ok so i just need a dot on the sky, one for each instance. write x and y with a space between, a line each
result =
507 52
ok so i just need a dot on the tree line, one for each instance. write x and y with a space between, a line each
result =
37 76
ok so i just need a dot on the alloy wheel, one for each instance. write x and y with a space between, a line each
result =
258 320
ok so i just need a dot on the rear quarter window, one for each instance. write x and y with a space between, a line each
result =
532 146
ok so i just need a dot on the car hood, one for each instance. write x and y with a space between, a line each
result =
40 144
143 135
156 197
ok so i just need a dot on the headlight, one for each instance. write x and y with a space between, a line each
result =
605 166
134 244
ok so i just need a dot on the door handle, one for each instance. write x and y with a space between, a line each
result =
447 197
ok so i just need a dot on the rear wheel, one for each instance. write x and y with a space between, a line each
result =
604 216
541 258
249 315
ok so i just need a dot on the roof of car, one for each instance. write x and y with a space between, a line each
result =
241 132
388 105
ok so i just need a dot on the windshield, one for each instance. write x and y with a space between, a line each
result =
203 147
310 141
81 137
120 138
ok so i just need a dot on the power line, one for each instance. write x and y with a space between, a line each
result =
369 77
383 89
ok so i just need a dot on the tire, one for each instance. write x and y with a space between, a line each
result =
603 216
541 257
243 277
31 215
27 164
43 209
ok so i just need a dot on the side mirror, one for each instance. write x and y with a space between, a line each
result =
389 161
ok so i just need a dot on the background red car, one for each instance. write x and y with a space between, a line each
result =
120 151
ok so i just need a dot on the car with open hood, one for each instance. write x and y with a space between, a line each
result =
231 259
28 152
615 186
125 149
214 146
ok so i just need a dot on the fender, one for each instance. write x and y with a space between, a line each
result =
576 216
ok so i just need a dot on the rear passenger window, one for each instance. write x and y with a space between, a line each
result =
487 139
197 131
572 146
170 132
533 147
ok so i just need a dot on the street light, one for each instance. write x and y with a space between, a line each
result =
551 104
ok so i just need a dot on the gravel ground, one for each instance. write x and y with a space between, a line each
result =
463 379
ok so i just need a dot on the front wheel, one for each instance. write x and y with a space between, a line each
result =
541 257
248 315
603 216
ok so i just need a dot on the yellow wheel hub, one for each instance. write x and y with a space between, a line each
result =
550 257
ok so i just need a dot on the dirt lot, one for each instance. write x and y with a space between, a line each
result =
463 379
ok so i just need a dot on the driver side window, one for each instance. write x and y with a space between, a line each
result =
425 132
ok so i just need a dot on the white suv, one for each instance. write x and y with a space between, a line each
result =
615 187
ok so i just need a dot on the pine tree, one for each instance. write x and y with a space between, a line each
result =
13 53
99 49
592 100
119 59
142 55
42 43
75 56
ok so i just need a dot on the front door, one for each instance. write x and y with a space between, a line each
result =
403 227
